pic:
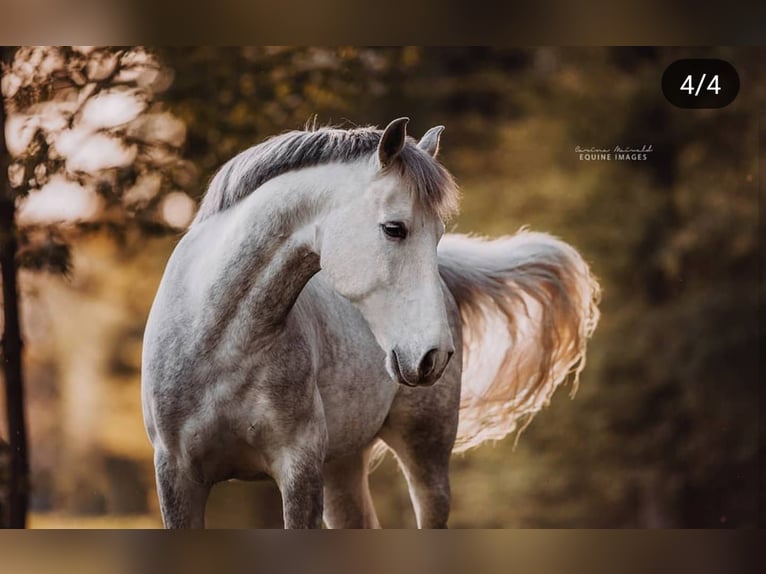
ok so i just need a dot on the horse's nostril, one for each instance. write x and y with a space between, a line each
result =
428 363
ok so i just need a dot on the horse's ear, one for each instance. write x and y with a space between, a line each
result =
392 141
429 143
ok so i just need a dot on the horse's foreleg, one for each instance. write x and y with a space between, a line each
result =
347 500
182 499
296 452
420 429
301 485
426 467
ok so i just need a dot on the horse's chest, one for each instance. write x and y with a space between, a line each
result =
355 407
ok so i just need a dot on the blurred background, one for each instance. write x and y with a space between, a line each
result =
110 150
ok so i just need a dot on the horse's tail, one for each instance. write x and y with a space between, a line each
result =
528 305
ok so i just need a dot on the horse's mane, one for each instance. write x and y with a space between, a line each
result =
431 183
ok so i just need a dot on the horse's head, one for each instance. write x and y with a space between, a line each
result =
378 249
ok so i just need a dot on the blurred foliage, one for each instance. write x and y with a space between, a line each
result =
662 431
87 136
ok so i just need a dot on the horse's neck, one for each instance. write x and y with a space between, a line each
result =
268 251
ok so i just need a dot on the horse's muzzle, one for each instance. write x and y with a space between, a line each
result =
429 368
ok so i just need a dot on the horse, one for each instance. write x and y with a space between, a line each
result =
315 312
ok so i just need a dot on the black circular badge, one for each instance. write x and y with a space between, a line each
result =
700 83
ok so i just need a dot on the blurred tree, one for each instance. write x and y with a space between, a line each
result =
86 147
18 467
5 452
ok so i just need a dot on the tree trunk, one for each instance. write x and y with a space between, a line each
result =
18 487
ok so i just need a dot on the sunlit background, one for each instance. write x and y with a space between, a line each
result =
112 148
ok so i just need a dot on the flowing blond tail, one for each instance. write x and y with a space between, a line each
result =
528 304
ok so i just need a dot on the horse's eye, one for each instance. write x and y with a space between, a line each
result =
394 229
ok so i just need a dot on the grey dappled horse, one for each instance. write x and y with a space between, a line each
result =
314 309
